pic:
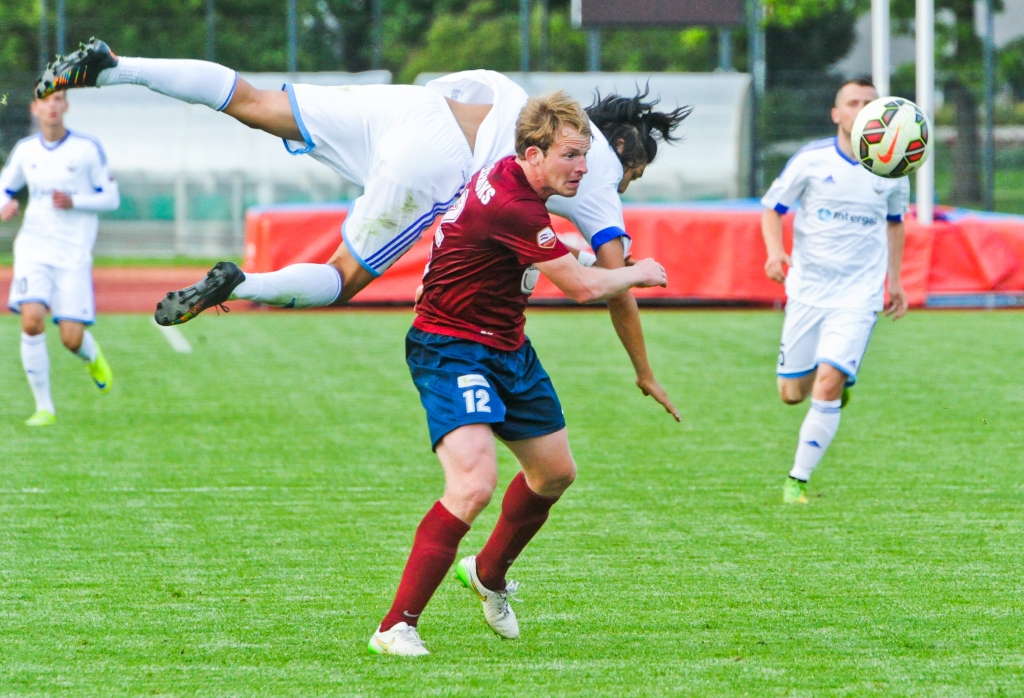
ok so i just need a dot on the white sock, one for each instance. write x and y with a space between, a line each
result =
195 82
819 428
37 369
295 286
88 349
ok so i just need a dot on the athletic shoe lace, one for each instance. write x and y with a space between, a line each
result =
510 592
411 636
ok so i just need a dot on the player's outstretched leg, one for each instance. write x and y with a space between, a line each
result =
295 286
95 65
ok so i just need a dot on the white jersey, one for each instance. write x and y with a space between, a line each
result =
840 247
596 210
75 165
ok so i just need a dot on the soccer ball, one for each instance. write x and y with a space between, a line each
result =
891 137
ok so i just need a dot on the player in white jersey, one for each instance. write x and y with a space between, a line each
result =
848 236
411 148
68 183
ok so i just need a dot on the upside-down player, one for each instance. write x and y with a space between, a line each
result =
479 377
68 182
412 149
848 235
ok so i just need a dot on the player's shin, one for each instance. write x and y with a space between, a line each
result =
816 434
36 362
523 512
433 552
87 352
295 286
195 82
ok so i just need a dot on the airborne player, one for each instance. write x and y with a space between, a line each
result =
412 149
848 235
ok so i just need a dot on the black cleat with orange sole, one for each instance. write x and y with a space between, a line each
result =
79 69
178 307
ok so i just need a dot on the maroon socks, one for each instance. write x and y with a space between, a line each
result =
433 552
522 514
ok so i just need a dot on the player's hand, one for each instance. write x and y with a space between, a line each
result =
776 265
9 210
650 273
62 200
650 387
898 303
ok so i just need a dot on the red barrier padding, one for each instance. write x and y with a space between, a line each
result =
710 255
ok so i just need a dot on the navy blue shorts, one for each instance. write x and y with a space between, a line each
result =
463 382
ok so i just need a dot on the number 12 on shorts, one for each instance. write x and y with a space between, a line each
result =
477 401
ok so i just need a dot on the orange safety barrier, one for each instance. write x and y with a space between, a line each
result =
713 252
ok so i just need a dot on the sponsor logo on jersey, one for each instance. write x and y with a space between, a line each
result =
484 190
829 180
471 379
826 215
546 238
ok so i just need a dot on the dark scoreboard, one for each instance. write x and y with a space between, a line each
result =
609 13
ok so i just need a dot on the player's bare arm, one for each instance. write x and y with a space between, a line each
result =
898 304
778 260
9 210
625 315
591 284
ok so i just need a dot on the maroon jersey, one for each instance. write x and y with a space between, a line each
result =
481 272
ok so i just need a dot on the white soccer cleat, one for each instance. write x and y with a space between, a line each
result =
402 640
497 611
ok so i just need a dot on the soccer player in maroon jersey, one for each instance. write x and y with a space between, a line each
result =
479 377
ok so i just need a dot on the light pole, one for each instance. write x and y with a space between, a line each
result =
925 40
880 70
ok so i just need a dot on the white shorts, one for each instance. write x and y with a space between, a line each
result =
66 292
401 143
834 336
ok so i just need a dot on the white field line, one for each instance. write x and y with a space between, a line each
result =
175 338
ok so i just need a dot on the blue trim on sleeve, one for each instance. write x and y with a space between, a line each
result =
898 218
9 192
607 235
230 94
289 88
842 154
781 210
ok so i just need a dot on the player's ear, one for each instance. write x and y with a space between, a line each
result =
835 115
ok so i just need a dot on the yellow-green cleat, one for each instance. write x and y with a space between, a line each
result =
102 374
794 491
42 418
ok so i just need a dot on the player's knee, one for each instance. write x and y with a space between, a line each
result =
475 496
33 325
72 342
792 393
558 479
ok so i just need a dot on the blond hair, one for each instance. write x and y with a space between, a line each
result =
541 121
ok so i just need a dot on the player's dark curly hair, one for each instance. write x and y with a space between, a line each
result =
635 122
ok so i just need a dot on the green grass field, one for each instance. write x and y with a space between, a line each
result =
234 521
